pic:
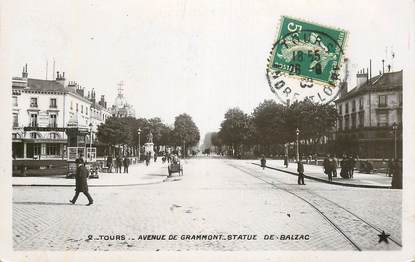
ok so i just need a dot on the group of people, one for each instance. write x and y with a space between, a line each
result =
347 166
118 163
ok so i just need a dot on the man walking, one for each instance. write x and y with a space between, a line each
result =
300 170
81 184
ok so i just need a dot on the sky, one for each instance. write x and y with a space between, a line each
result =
198 57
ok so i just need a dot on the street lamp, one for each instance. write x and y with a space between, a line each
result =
139 133
297 131
90 141
395 128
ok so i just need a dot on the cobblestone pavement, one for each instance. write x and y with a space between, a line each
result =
219 198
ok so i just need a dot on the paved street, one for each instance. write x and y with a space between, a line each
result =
214 199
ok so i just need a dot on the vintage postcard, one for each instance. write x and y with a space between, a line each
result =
207 130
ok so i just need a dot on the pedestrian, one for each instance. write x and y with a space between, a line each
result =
300 170
334 166
286 160
343 168
263 161
326 166
81 184
126 163
352 165
119 164
155 157
109 164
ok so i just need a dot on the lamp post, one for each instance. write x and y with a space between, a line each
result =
395 128
90 141
139 151
297 132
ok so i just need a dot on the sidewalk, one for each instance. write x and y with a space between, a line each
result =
377 180
139 174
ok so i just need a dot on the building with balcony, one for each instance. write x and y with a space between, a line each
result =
370 116
43 110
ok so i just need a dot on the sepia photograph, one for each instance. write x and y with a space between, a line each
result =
207 128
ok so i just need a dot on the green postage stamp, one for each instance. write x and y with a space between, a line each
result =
308 50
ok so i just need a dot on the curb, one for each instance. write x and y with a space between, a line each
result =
326 181
52 185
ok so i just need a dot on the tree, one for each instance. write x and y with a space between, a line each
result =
236 129
269 123
312 119
114 132
185 131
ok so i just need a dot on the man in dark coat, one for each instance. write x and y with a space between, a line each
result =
263 162
300 170
81 184
126 163
327 167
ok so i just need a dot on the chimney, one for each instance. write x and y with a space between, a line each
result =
361 78
24 72
60 78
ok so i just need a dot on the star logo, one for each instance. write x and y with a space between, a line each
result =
383 237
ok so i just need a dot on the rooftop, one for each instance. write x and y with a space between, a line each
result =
383 82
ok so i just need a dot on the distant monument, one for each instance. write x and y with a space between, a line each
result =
149 146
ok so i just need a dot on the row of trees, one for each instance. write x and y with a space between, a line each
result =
272 125
124 132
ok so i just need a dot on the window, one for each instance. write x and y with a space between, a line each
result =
15 120
400 99
71 105
82 108
383 101
76 107
52 149
52 120
340 109
347 108
33 135
33 102
33 120
53 103
354 106
86 110
15 101
361 103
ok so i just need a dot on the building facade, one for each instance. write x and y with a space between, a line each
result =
43 110
370 117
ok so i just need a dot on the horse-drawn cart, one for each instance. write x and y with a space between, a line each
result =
175 167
